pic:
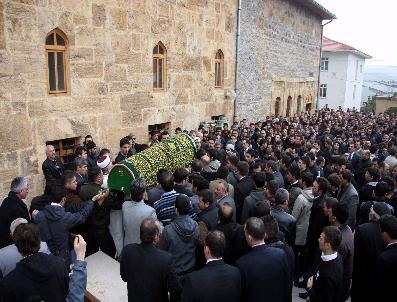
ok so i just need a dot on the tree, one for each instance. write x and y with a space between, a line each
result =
371 105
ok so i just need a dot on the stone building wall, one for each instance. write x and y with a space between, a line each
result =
382 103
110 67
279 57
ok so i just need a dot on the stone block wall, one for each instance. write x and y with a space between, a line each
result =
280 42
110 44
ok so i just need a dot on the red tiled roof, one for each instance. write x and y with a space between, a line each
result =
335 46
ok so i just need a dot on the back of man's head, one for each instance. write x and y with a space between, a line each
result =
15 223
225 213
243 168
182 204
27 239
67 177
271 227
233 159
149 230
18 184
261 209
180 175
272 165
58 194
222 172
281 196
307 178
388 224
206 195
255 228
216 242
381 189
93 174
341 212
200 183
167 181
259 179
137 189
197 166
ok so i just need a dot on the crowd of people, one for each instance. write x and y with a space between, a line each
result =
308 200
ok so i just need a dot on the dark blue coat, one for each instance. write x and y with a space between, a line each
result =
264 275
11 209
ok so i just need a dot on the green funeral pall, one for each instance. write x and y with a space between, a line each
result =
171 154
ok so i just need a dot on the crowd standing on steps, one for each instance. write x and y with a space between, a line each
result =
308 200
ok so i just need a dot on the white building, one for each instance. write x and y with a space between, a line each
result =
341 76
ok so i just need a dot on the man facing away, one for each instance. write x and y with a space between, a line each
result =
217 281
264 270
148 271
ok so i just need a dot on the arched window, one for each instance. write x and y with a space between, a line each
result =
219 59
299 104
289 104
277 106
56 45
159 67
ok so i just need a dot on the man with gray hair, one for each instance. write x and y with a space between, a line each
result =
222 196
10 256
52 169
13 207
286 222
135 211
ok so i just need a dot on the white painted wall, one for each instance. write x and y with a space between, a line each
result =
340 79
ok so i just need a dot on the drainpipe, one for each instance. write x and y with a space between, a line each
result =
237 58
319 65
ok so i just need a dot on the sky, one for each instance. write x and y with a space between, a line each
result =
369 26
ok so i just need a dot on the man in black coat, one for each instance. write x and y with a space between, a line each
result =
148 271
368 245
326 283
264 270
271 232
217 281
243 187
38 275
234 234
12 208
386 266
52 169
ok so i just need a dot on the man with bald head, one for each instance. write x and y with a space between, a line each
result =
52 169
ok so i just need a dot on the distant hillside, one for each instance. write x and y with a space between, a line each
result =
380 73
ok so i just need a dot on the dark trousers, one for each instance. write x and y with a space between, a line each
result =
300 260
100 239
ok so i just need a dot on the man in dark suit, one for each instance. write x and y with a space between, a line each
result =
386 266
52 169
368 245
148 271
12 208
243 187
286 222
217 281
326 283
264 269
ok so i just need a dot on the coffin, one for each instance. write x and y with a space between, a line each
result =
171 154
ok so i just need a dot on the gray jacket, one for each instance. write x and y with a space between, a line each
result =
231 202
301 212
250 202
133 215
180 238
9 257
349 196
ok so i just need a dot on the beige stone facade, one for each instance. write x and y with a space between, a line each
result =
110 45
382 103
279 58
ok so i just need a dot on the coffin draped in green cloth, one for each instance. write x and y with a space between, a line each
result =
171 154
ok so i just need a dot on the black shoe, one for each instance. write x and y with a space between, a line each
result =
304 295
301 284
